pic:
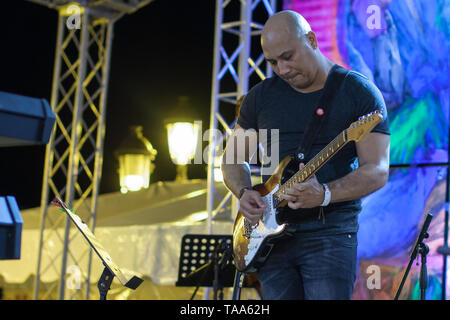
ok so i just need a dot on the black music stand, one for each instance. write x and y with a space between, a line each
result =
422 249
110 268
206 261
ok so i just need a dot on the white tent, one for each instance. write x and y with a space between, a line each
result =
141 231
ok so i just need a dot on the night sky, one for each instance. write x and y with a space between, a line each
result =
159 53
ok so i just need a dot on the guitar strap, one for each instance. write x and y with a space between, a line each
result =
320 115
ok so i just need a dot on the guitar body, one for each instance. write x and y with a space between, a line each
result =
251 251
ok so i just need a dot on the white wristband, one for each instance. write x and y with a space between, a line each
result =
327 198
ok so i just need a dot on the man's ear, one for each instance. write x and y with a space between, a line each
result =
311 39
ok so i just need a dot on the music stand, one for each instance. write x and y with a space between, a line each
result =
422 249
110 268
206 261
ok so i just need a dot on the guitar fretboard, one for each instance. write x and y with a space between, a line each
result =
315 163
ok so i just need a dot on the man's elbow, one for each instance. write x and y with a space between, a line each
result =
226 163
381 177
224 168
227 167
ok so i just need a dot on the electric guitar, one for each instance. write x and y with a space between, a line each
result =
252 244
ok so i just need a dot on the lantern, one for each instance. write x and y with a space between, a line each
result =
183 139
135 156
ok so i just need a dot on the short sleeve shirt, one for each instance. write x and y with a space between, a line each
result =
274 104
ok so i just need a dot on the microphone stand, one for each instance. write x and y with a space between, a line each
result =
219 265
216 282
422 249
423 277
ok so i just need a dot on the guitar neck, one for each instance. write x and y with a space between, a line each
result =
317 162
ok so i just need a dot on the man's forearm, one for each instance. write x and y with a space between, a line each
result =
236 177
359 183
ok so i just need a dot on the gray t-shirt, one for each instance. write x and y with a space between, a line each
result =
274 104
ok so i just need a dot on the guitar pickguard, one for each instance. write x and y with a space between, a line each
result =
266 227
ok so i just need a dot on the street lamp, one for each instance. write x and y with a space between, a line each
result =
135 156
182 138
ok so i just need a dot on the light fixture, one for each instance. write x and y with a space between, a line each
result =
135 156
183 139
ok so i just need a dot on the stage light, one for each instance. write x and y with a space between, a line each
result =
182 139
135 156
71 9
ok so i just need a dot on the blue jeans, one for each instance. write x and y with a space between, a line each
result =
305 267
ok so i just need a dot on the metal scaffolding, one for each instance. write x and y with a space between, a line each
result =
74 154
238 63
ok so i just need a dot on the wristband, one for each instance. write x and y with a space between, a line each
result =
241 192
327 198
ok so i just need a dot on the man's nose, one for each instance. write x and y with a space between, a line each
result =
283 68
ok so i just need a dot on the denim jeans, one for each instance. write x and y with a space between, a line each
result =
305 267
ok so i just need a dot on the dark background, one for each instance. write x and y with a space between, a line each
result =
160 53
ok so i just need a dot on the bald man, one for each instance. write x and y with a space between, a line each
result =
319 261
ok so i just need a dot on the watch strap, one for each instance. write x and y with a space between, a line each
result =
241 192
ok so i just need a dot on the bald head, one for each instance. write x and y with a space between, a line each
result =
285 23
291 49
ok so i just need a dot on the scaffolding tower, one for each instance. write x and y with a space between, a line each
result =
74 154
238 63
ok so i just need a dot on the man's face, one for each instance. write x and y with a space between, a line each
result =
293 60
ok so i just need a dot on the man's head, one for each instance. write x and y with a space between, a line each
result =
291 48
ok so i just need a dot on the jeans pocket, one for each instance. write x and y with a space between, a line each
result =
348 239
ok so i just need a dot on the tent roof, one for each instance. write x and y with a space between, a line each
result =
162 202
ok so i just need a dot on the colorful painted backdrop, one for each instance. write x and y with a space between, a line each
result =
403 47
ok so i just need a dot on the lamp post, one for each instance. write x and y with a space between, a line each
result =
135 155
183 139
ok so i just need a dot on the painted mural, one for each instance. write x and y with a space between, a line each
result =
403 47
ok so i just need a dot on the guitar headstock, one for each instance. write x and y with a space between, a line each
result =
359 129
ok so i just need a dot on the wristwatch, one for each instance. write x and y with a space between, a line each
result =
327 198
241 192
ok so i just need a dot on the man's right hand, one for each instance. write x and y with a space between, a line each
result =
252 206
